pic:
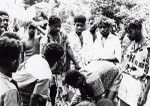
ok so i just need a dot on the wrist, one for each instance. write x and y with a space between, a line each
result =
37 26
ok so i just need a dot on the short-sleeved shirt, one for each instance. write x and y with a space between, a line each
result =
136 61
100 74
105 48
135 69
34 76
9 95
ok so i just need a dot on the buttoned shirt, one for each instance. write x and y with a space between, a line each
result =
106 48
135 68
136 60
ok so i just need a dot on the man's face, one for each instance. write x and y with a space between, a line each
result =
104 30
132 34
32 31
4 19
55 28
79 27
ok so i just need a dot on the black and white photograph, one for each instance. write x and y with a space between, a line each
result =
74 52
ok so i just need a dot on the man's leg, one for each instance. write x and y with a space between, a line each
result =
53 92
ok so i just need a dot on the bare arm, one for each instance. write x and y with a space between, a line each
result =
38 27
41 30
71 55
143 97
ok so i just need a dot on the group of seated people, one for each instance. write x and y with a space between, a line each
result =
99 75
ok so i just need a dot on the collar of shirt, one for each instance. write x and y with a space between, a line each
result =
76 35
5 77
52 39
137 45
110 36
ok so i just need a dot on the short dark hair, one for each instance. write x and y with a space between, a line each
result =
10 48
31 26
53 20
134 25
3 13
53 51
72 77
105 21
80 18
105 24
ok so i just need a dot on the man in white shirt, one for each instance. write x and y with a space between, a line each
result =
79 39
107 46
34 77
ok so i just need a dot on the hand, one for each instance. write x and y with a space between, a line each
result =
142 99
34 23
97 21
